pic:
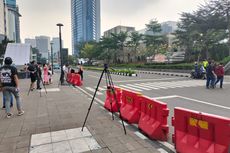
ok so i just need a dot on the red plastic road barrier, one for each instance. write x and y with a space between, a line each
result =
77 80
69 77
197 132
131 106
153 120
110 102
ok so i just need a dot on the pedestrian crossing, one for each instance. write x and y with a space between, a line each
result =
148 86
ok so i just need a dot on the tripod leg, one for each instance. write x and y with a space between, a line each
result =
92 99
29 89
40 93
108 88
115 97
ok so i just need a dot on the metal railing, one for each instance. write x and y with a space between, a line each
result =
227 67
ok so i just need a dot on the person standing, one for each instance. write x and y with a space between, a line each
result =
10 83
210 75
33 75
220 74
39 75
45 73
80 72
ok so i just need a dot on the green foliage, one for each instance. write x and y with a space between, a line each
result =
204 30
225 60
3 46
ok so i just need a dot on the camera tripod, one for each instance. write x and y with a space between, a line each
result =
110 86
39 89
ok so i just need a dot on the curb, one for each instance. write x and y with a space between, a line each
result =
163 73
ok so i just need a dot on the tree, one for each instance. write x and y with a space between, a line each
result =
199 32
108 49
154 39
89 51
120 42
222 9
134 42
3 46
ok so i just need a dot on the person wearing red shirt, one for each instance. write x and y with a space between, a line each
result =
219 70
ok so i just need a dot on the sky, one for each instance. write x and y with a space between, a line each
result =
39 17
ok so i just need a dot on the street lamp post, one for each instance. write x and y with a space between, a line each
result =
61 58
52 58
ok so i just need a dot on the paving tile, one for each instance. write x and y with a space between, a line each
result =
48 148
58 136
92 143
39 139
22 150
78 145
119 148
62 147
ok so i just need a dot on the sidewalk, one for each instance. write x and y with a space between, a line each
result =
65 108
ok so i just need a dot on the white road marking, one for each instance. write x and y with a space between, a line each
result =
162 150
137 86
124 86
141 80
93 90
140 135
165 97
95 77
203 102
190 99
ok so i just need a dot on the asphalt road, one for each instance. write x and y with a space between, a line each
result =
175 91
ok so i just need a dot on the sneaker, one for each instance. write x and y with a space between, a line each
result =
9 115
3 107
20 113
39 88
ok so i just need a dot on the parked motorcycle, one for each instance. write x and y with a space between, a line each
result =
198 75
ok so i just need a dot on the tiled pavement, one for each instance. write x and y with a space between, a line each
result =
65 109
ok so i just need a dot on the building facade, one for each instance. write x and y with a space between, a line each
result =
30 41
43 45
119 29
56 49
2 24
85 22
11 21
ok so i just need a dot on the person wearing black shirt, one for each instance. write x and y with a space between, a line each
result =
210 75
39 75
10 83
33 74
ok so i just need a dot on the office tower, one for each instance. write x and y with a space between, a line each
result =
32 42
43 45
85 20
56 49
11 19
119 29
2 24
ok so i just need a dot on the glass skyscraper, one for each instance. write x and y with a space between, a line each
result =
85 20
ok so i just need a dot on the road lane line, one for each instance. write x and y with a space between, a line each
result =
203 102
146 80
139 87
95 77
93 90
165 97
129 87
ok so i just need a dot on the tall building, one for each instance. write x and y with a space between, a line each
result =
119 29
11 21
56 49
43 45
2 23
85 21
32 42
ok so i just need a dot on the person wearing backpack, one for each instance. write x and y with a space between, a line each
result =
10 86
